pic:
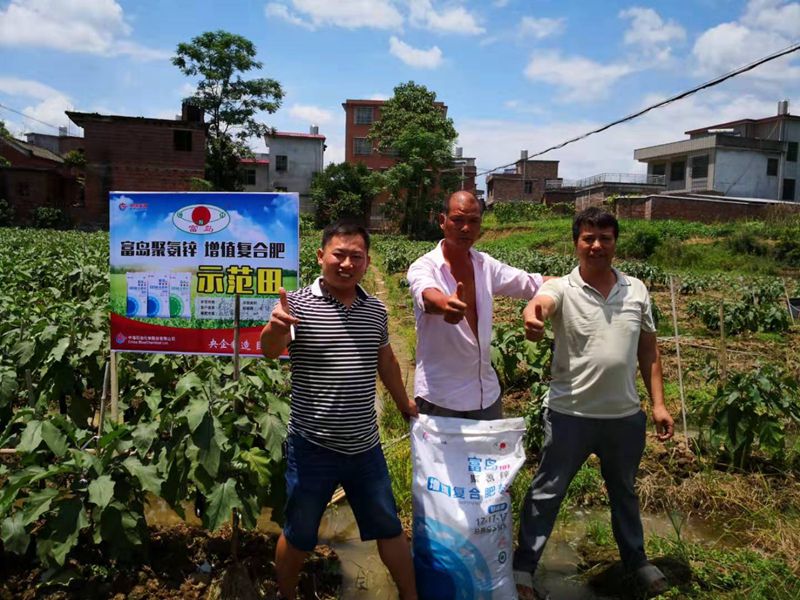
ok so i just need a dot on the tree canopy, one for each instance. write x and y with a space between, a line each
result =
344 190
231 103
414 127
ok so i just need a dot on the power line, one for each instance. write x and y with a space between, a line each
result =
708 84
14 110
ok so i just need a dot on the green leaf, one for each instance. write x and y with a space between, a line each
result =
101 491
143 436
273 432
31 437
37 504
57 353
121 528
146 474
220 504
92 344
259 463
187 383
24 351
54 438
153 401
8 385
15 538
195 412
61 533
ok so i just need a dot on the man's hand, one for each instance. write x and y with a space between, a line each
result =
281 321
665 426
408 408
534 322
455 307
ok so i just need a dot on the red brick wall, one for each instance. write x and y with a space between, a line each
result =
131 156
688 209
18 159
27 189
508 187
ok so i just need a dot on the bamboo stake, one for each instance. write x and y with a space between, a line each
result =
114 388
723 357
788 302
29 385
678 355
238 408
103 398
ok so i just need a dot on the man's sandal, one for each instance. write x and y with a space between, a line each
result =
526 588
650 580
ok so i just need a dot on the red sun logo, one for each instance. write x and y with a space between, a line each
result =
201 215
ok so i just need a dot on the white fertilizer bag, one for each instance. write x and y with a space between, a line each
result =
462 506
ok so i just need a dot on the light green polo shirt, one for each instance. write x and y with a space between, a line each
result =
596 341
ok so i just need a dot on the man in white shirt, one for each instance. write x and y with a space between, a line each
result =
603 326
453 288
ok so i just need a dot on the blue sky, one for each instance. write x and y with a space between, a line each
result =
515 74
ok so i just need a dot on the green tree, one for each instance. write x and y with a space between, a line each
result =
4 132
414 127
230 102
344 190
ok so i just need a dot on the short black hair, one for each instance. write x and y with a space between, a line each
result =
344 227
594 216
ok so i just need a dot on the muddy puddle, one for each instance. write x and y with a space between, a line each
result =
364 576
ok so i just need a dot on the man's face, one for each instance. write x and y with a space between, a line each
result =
596 247
344 260
462 223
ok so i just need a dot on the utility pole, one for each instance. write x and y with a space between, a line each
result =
523 155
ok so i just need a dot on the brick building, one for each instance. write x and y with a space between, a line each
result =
35 178
525 182
295 158
138 154
359 117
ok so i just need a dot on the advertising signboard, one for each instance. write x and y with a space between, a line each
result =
178 260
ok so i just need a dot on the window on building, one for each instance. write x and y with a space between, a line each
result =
700 167
659 169
281 162
528 187
788 190
365 115
182 140
772 167
249 177
677 171
791 152
362 146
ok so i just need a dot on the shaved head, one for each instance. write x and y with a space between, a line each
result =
460 198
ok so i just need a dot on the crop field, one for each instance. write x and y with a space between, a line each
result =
74 497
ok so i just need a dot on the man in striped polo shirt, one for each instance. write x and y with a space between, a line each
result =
338 338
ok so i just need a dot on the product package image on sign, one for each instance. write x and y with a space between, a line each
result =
179 260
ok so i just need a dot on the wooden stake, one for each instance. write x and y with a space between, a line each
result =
114 388
788 302
29 385
236 314
103 398
723 357
678 355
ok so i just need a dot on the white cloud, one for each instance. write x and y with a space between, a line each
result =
455 19
350 14
774 15
423 59
581 79
281 11
26 88
380 96
765 27
540 28
525 107
91 26
49 105
310 114
499 141
650 34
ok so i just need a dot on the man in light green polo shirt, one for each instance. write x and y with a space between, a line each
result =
604 329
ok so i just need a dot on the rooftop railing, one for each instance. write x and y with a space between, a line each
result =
629 178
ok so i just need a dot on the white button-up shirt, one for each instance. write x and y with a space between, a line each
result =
454 369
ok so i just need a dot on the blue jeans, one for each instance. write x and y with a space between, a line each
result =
568 442
312 474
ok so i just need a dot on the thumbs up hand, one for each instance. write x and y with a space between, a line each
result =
281 320
533 316
455 307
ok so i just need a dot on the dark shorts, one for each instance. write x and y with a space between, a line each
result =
312 474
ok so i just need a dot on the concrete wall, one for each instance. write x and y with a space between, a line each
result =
743 173
304 158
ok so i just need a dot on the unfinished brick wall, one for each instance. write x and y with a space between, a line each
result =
691 209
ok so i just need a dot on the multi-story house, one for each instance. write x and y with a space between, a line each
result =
748 158
294 159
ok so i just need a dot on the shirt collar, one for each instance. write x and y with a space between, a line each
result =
316 289
575 279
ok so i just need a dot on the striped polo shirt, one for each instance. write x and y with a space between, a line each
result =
334 360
